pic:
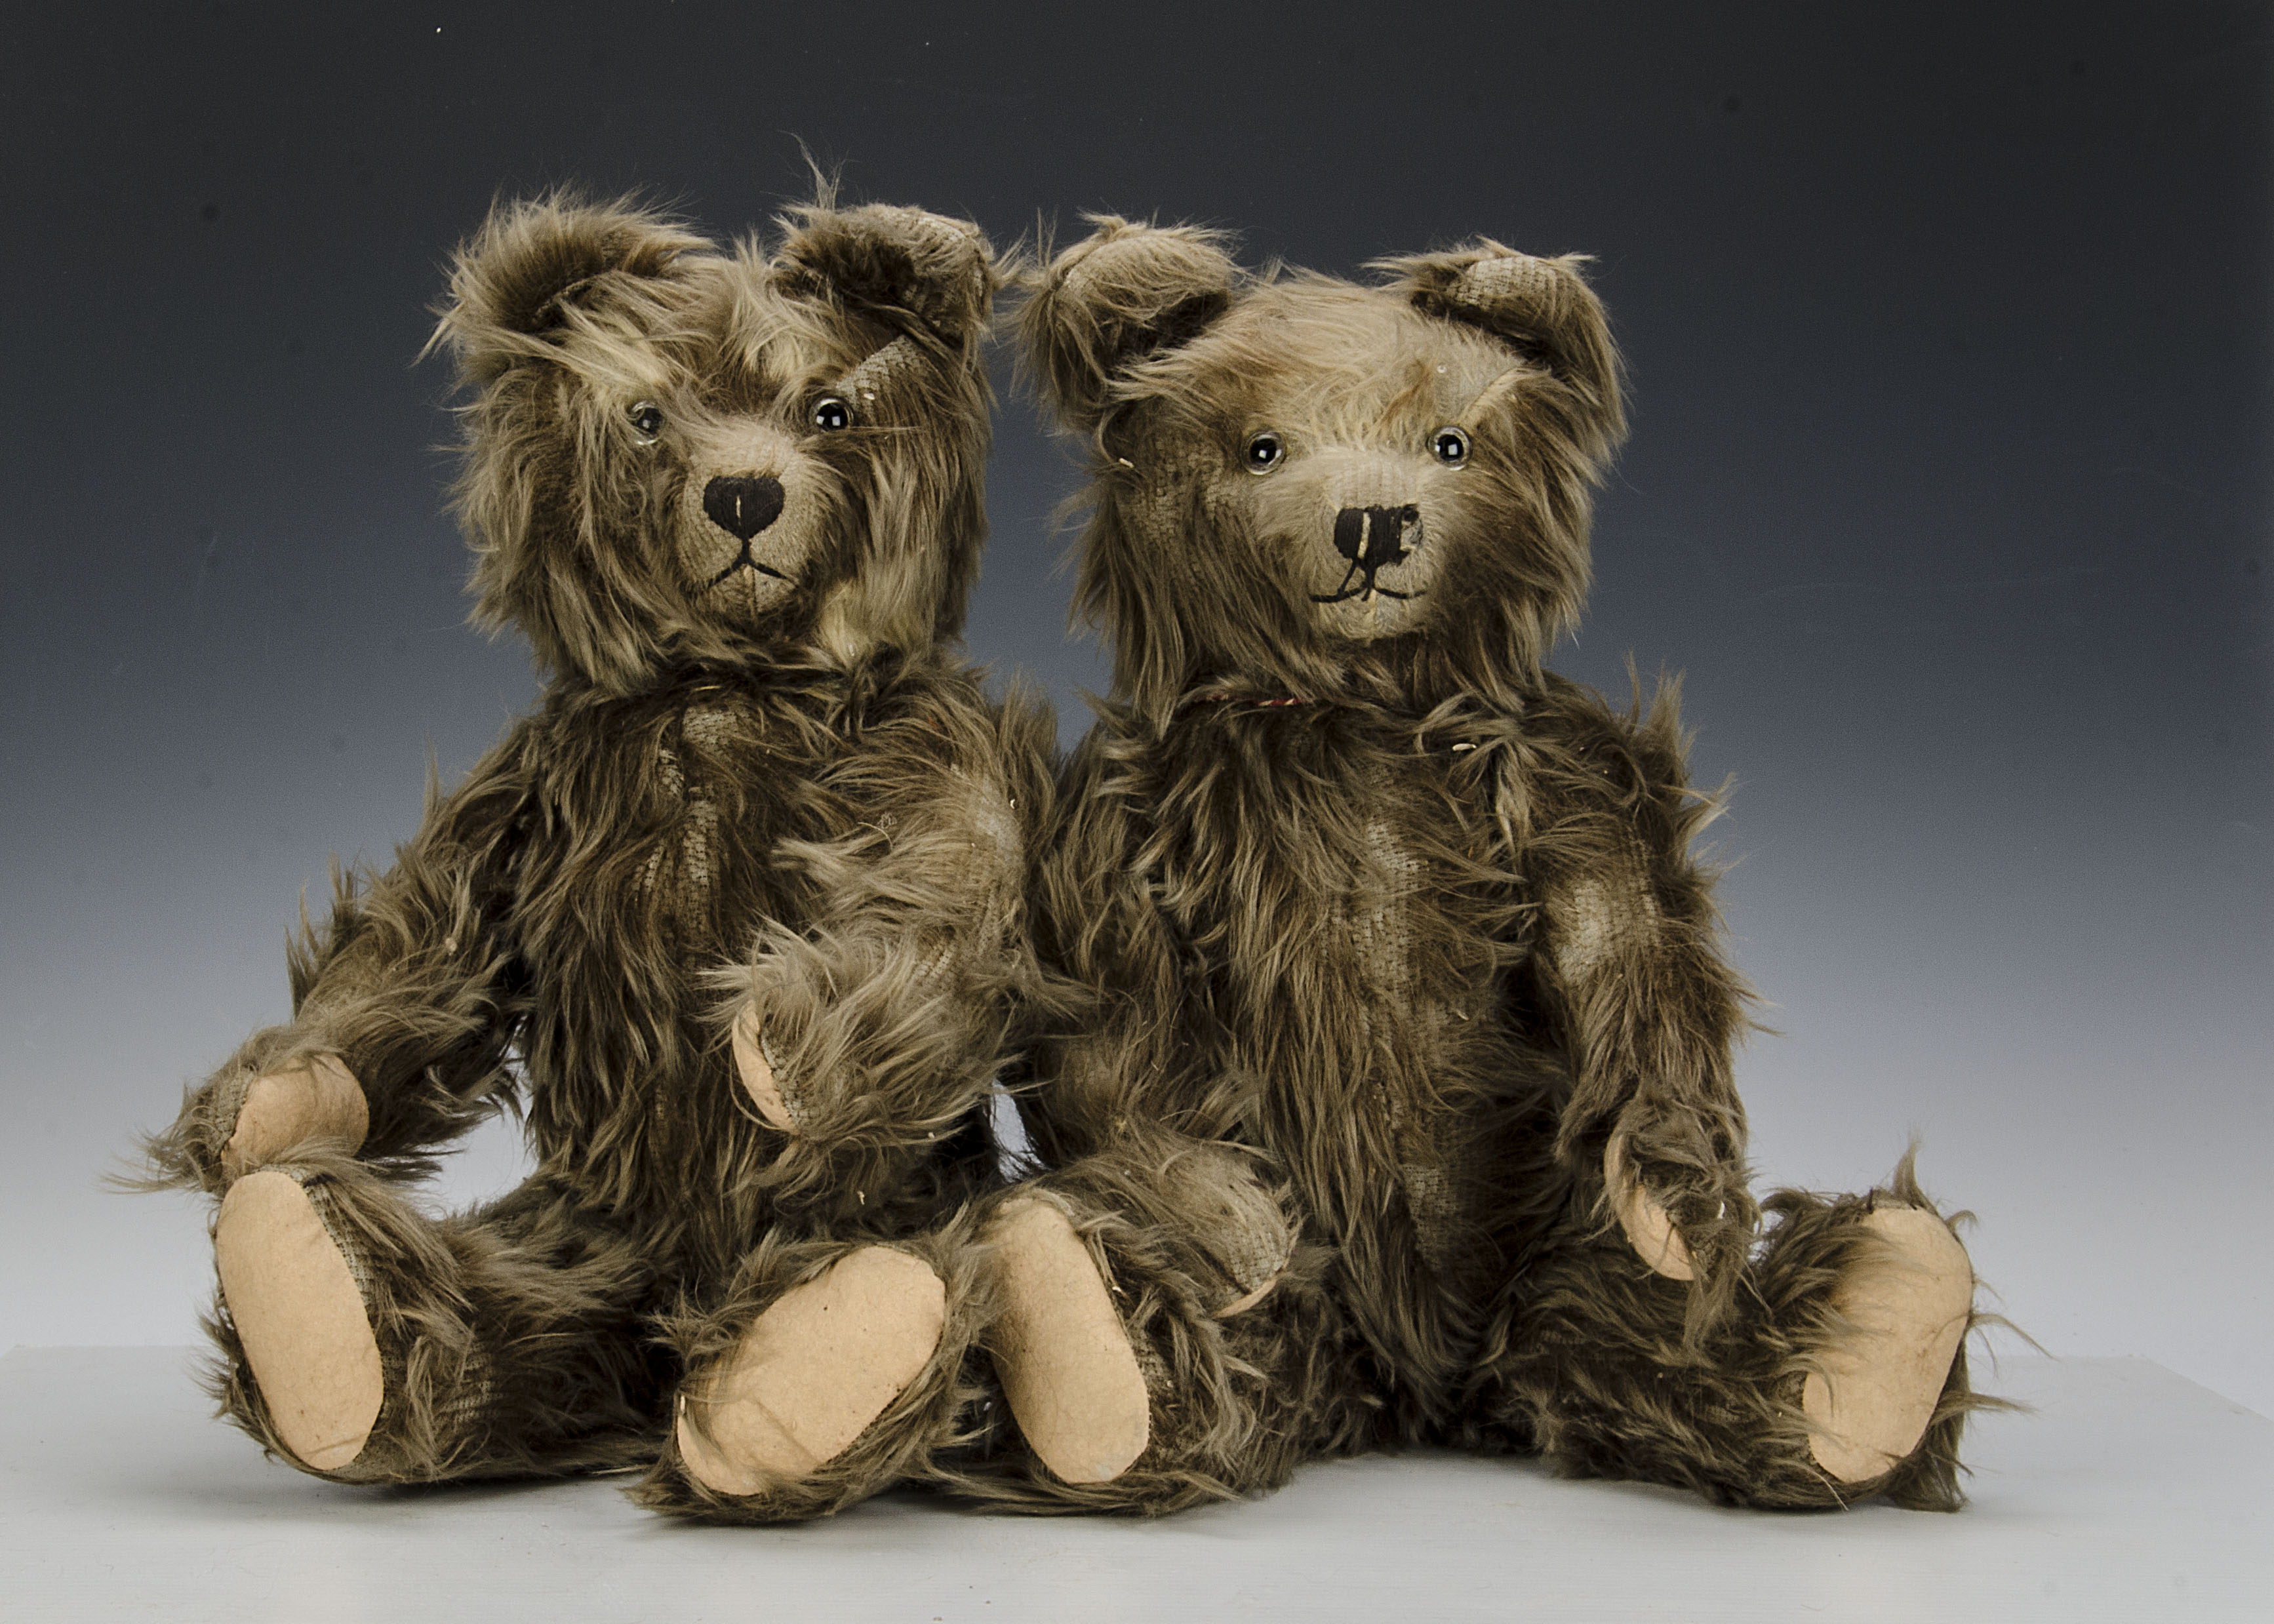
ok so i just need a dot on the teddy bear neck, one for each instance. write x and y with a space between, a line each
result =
802 671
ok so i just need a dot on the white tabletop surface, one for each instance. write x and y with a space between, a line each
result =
2129 1494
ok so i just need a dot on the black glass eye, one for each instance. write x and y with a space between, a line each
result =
831 414
1265 452
647 417
1451 447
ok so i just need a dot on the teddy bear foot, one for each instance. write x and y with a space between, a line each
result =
1068 1372
812 1372
300 1318
1869 1403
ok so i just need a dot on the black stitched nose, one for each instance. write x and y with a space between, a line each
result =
1371 537
741 506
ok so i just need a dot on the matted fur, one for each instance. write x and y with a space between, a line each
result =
1351 881
758 775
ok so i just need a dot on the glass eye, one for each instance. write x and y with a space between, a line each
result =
647 419
831 414
1265 452
1451 447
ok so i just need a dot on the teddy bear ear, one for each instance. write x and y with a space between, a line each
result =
1124 292
516 282
1541 308
889 261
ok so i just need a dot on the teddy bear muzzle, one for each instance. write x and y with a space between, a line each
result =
742 504
1369 567
747 523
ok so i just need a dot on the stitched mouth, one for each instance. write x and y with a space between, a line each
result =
744 562
1362 591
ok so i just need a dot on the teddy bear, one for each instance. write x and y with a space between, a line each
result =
735 914
1402 1112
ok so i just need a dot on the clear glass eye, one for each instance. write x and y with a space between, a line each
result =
831 414
1451 447
647 419
1265 452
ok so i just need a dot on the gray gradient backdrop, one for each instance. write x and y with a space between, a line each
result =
1949 490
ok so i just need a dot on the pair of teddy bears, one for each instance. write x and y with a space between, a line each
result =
1360 991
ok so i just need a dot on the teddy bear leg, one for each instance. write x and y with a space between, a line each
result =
367 1342
1840 1376
1155 1340
831 1370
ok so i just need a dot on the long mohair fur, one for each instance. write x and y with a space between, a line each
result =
760 778
1351 881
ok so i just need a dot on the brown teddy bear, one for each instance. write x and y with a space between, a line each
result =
738 909
1404 1112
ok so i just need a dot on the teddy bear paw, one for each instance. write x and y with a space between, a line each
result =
755 1064
1649 1229
312 1098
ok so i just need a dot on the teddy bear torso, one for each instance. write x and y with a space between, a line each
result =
1346 899
648 857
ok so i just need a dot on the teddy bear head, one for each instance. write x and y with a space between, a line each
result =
1315 485
677 454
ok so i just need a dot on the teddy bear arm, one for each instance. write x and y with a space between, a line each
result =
870 1034
1630 965
405 1003
1650 1007
1651 1010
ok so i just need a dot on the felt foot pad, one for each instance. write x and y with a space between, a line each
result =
1066 1365
300 1318
812 1372
1870 1404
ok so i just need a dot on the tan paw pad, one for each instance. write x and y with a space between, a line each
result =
300 1318
1068 1369
1870 1403
314 1098
1649 1230
812 1372
756 1071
